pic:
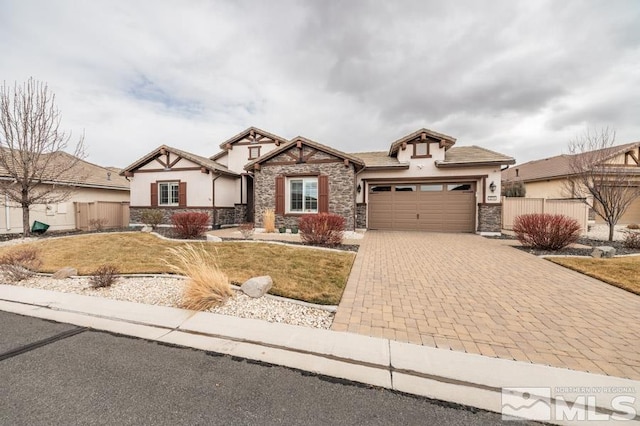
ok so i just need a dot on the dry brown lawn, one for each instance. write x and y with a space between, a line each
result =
316 276
623 272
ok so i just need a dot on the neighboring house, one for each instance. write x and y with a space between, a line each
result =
91 183
421 183
549 177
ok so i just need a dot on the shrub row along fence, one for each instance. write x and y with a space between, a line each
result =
513 207
101 215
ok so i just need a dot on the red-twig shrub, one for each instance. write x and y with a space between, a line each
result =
323 229
632 240
190 224
546 231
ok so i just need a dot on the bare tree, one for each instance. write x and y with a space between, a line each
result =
613 187
34 169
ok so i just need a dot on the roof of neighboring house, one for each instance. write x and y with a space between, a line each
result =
194 158
248 132
445 140
379 159
560 165
308 142
473 156
82 173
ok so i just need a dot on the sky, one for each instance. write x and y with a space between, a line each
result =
522 78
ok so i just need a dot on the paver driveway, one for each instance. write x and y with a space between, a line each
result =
467 293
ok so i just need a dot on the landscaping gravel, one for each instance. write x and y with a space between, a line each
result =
167 291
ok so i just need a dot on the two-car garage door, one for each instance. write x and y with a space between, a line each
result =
438 207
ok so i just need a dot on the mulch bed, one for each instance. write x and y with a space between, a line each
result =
571 251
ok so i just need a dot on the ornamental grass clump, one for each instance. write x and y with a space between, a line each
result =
207 285
269 219
19 264
546 231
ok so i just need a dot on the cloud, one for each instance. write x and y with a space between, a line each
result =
355 75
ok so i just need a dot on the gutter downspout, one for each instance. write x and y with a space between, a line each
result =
213 199
7 212
355 191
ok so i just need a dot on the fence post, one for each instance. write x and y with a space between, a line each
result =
544 204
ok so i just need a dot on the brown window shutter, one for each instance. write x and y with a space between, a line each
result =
323 194
182 194
279 195
154 194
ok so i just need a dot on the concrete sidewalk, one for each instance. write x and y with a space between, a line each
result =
468 379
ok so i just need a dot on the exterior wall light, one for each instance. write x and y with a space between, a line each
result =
492 187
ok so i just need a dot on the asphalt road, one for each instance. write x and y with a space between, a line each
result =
98 378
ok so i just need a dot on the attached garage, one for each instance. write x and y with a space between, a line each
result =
426 206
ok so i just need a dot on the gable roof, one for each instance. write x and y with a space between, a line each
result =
251 132
379 159
473 155
82 174
308 142
194 158
445 140
560 165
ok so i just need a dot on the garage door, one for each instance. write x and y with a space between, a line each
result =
438 207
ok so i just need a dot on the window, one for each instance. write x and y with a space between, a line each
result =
380 188
254 152
431 187
168 193
421 149
405 188
459 187
303 195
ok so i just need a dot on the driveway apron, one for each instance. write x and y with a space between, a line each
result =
467 293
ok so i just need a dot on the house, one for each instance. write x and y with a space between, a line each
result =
422 182
550 178
90 183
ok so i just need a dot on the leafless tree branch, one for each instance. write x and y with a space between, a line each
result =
34 167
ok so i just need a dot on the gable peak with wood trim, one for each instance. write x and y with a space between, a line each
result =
167 158
301 150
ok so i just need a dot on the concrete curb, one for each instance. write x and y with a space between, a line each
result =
457 377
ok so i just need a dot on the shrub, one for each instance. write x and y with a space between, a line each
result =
98 224
546 231
324 229
246 229
18 265
633 226
513 189
152 217
632 240
207 286
190 224
269 219
104 276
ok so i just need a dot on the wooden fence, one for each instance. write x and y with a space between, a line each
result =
515 206
102 214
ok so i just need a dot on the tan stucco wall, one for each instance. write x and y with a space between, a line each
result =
426 168
547 189
59 216
238 156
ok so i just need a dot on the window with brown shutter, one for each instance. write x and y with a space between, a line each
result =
154 194
279 195
182 194
323 194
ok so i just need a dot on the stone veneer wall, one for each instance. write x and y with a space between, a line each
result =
226 215
361 215
489 217
240 213
341 187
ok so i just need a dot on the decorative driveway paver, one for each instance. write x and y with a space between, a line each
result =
467 293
